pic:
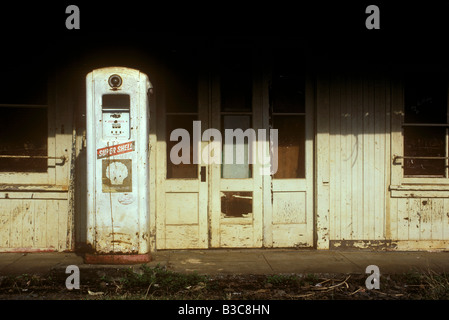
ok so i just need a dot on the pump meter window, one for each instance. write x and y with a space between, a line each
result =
115 109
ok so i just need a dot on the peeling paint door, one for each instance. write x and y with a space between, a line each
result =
288 192
235 208
181 189
291 215
232 200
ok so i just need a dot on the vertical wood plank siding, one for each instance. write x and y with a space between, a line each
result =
360 206
33 225
358 140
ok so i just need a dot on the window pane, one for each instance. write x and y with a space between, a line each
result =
291 146
426 98
236 169
288 83
424 142
180 171
24 133
23 83
236 204
182 83
236 80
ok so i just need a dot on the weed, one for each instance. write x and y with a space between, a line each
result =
437 286
413 278
282 279
161 279
310 278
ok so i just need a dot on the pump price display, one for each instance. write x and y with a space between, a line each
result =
116 150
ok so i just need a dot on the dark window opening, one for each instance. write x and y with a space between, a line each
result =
181 170
291 146
426 98
287 92
425 124
182 82
287 110
23 84
181 98
236 80
23 132
424 142
23 113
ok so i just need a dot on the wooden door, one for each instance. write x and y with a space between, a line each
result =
181 189
221 203
235 193
288 192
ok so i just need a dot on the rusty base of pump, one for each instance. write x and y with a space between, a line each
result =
116 258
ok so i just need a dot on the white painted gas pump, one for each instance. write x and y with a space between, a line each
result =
117 124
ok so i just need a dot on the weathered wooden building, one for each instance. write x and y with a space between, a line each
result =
362 146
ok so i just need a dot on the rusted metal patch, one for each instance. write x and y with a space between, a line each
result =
377 245
117 258
30 250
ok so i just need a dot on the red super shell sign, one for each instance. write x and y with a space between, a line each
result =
116 150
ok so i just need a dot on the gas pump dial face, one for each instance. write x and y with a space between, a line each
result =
116 125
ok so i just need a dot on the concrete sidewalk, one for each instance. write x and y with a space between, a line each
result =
245 261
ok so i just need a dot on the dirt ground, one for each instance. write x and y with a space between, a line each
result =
159 283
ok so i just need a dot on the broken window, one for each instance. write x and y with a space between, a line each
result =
287 104
236 204
425 124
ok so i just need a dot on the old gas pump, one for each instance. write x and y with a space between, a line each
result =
117 123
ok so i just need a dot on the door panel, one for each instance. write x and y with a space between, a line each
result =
185 221
182 208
